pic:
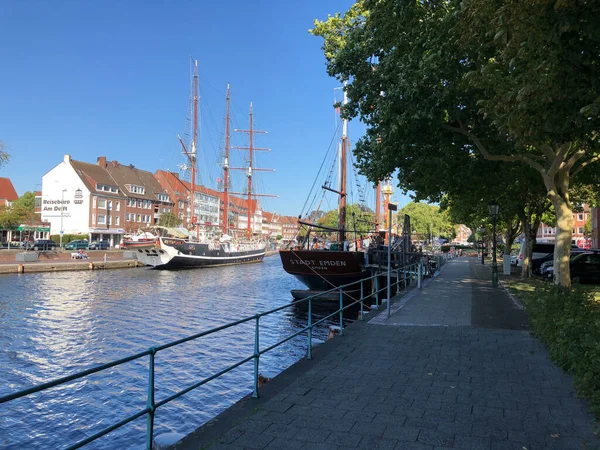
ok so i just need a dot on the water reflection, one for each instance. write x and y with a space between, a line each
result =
54 324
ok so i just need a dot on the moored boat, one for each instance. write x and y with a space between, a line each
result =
185 253
321 269
179 248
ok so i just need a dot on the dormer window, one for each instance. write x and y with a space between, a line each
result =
162 197
106 188
135 189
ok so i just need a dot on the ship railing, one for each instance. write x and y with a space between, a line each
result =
404 278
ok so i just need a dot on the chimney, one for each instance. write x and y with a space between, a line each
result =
67 159
102 161
115 163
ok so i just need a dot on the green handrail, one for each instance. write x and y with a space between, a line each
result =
152 405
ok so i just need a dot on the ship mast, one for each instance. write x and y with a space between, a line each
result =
191 155
226 167
378 206
250 169
342 203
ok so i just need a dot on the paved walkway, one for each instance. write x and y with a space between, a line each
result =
453 367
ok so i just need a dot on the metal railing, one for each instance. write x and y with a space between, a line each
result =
404 276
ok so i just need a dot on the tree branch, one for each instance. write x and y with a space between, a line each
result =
586 163
547 150
487 155
573 159
557 159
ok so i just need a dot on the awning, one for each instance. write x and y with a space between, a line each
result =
33 228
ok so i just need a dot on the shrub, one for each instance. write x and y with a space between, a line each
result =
568 322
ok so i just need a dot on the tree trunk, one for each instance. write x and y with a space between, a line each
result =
508 242
562 247
558 192
530 239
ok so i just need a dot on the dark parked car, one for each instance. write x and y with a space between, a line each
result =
78 244
44 245
585 268
536 262
99 245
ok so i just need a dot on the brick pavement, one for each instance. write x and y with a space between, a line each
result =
467 377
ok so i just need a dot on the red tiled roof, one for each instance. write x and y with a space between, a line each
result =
7 190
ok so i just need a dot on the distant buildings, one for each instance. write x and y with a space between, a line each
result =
7 192
548 234
107 200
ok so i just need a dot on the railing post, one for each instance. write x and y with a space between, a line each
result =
309 349
419 275
256 357
404 277
150 402
341 312
397 281
377 291
361 300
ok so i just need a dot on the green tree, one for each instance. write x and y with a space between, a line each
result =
169 219
358 220
21 211
26 202
436 78
587 228
427 221
4 156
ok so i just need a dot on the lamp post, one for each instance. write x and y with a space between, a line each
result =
482 230
62 207
391 207
494 207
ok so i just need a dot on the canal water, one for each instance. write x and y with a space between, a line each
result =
55 324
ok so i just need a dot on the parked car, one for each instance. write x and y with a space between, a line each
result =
44 245
78 244
585 267
542 252
99 245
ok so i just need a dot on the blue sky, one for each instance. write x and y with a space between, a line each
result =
113 79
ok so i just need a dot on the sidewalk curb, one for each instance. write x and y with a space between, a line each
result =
512 297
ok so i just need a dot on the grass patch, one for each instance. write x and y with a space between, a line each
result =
567 321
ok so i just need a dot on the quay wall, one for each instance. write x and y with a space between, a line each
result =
56 261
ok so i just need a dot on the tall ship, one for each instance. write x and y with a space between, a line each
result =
181 248
323 267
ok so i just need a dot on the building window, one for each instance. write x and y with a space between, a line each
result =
110 205
101 205
110 220
101 219
118 206
136 189
93 219
127 217
93 202
580 217
118 220
139 217
580 230
139 203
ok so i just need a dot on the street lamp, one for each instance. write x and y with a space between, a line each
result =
62 207
494 207
391 207
482 231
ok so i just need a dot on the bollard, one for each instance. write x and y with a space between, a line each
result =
419 275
